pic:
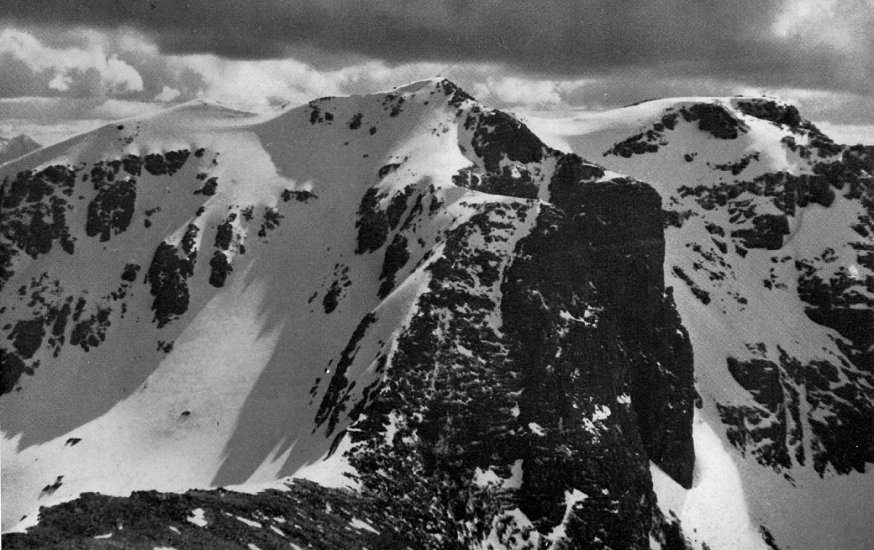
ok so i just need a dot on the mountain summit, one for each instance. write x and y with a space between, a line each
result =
14 147
406 319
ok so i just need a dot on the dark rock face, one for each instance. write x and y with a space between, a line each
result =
658 348
563 392
396 256
650 326
37 206
91 331
498 135
337 289
767 232
167 164
56 318
843 438
209 187
505 155
372 223
170 267
841 302
761 378
764 109
714 119
738 166
388 169
271 221
634 145
457 96
648 141
450 410
224 233
355 123
220 267
34 207
306 515
505 182
111 211
13 368
702 295
130 272
832 397
398 206
27 337
787 192
333 403
299 196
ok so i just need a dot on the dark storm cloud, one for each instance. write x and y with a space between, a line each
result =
560 38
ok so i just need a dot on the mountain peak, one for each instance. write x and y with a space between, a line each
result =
410 299
17 146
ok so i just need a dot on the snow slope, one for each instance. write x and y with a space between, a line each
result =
227 392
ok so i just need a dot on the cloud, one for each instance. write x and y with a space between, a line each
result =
513 90
87 70
255 86
91 64
167 95
849 133
46 110
125 69
769 42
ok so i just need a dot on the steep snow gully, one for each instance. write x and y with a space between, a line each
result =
404 321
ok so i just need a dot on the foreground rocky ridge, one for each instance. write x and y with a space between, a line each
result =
513 365
302 514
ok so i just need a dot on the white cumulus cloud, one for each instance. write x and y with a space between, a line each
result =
69 66
167 94
523 91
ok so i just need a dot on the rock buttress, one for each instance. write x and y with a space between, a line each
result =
604 366
587 379
623 223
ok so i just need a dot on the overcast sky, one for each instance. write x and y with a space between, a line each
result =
66 62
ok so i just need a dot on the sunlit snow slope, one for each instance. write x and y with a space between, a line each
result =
178 323
770 249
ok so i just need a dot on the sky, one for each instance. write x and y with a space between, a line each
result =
68 66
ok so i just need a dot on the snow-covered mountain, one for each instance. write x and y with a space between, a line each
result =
14 147
481 340
770 247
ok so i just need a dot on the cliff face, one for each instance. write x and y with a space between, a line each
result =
604 364
540 428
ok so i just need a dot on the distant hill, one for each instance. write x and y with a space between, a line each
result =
12 148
